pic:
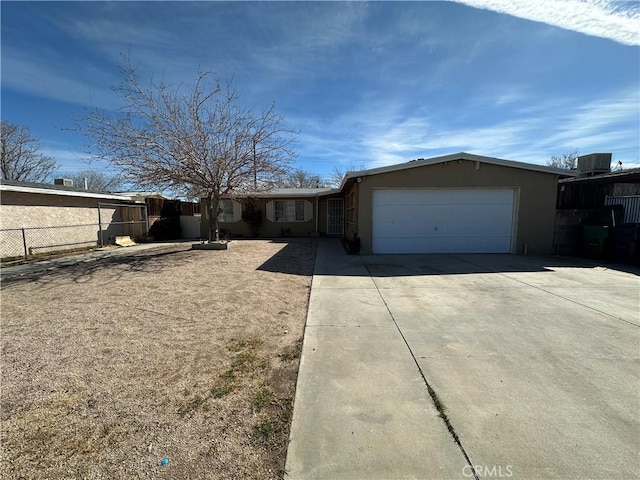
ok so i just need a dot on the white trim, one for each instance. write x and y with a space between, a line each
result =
270 211
515 220
67 193
459 156
308 210
289 193
237 211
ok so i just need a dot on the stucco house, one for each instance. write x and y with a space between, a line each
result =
459 203
286 212
37 217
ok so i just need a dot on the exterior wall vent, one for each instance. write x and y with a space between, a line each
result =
65 182
594 163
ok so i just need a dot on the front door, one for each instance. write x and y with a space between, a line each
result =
335 216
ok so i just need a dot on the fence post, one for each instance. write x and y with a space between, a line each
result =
100 226
24 243
146 218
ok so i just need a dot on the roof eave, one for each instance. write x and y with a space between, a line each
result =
294 193
459 156
66 193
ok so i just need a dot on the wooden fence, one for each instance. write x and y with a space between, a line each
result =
154 207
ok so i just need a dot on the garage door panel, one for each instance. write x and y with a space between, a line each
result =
423 220
442 245
440 197
443 221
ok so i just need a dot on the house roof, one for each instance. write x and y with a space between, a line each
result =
48 189
622 176
292 192
143 195
421 162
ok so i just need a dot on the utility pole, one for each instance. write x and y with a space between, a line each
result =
255 167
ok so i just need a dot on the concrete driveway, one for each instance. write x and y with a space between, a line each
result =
467 366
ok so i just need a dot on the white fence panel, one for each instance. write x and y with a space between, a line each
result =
631 205
190 226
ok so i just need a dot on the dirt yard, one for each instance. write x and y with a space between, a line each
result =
111 366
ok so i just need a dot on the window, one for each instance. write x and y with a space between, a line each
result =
226 213
289 210
350 207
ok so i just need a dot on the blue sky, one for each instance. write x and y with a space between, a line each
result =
366 83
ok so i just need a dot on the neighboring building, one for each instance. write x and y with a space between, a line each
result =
156 201
143 196
42 217
598 212
589 192
458 203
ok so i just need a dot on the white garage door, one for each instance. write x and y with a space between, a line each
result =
443 221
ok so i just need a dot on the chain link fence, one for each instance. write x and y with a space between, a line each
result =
28 242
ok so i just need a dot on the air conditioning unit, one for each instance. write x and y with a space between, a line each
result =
594 163
65 182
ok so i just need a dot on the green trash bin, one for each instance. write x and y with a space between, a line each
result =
595 238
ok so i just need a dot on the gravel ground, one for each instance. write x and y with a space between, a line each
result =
109 367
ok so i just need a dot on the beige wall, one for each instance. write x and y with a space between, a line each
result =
19 209
268 229
535 204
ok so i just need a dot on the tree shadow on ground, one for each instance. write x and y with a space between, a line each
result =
333 260
288 259
462 264
104 270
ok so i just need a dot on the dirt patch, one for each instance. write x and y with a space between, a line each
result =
109 367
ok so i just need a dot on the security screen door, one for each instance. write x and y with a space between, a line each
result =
335 216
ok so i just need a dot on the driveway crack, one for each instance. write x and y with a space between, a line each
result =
432 393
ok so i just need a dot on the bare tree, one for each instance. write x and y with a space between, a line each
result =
95 180
301 179
20 157
194 140
566 160
338 174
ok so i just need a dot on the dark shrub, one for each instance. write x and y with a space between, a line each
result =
166 229
352 246
252 215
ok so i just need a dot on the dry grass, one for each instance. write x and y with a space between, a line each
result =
108 367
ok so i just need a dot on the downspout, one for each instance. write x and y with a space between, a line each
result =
317 213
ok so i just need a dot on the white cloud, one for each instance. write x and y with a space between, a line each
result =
608 124
618 21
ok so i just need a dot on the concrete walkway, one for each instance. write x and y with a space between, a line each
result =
41 266
362 409
532 364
